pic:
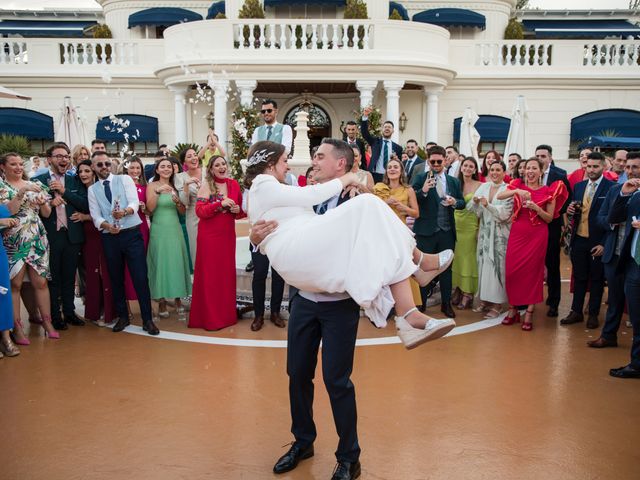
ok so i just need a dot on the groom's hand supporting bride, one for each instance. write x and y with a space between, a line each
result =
260 230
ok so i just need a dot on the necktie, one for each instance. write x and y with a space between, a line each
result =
269 132
439 187
61 212
385 153
590 193
322 208
107 190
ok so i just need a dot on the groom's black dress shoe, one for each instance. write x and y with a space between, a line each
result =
121 324
150 328
625 372
346 471
290 460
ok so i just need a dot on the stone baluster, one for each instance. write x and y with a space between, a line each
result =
263 31
334 37
325 36
365 38
283 37
272 36
314 36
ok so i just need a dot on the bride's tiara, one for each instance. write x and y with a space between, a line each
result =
259 157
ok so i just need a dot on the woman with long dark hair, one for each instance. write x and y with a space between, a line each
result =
218 206
167 257
187 184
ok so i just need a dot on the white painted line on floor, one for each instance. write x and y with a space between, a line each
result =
244 342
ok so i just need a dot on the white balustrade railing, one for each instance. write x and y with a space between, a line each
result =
302 35
98 52
612 54
13 52
514 54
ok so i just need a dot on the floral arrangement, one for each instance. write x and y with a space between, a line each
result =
245 121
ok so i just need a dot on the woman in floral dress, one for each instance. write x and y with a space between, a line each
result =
26 244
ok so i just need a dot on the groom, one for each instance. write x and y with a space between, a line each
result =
330 318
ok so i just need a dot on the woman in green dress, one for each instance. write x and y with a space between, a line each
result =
465 266
167 257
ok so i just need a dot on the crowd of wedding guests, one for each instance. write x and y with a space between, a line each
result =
124 231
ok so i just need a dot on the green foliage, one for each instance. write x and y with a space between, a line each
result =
220 16
245 121
181 147
356 9
522 4
251 9
102 31
514 30
395 15
17 144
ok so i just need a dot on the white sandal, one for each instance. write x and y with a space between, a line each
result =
423 278
412 337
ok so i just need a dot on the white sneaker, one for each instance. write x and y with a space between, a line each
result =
412 337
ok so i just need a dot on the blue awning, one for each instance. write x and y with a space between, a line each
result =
451 17
581 28
625 123
290 3
215 9
29 28
143 127
162 16
26 123
400 8
491 128
628 143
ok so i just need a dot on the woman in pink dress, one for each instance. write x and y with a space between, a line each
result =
134 168
534 206
214 278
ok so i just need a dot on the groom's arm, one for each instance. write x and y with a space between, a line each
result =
260 230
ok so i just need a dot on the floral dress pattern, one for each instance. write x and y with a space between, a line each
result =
26 243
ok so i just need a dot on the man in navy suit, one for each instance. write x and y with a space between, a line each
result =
626 208
352 139
413 159
552 260
381 147
333 319
587 241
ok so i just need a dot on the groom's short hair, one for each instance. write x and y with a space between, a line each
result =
341 149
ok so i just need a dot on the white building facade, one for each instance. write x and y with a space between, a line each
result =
423 73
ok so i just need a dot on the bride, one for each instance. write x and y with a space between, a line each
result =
361 248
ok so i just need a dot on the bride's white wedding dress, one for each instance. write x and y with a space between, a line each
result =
360 247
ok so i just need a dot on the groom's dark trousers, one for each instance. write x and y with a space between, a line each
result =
336 324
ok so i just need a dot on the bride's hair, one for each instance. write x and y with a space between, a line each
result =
261 156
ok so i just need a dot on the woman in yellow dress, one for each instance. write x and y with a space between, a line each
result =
398 194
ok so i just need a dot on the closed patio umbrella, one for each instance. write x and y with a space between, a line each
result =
517 138
469 136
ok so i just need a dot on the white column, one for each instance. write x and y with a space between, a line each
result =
246 88
221 95
393 87
300 160
180 118
432 94
366 88
232 8
377 9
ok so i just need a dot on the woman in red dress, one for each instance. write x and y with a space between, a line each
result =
98 293
214 278
134 168
534 206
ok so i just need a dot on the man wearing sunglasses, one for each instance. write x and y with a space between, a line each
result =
381 147
113 203
66 237
438 196
272 130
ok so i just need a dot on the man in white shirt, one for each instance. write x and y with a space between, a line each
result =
272 130
113 204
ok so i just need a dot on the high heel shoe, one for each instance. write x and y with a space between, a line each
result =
8 348
412 337
465 302
423 278
53 334
527 326
24 340
510 320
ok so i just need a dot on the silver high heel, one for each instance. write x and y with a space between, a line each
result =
412 337
423 278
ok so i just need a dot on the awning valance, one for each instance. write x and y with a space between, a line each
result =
492 128
215 9
451 17
140 128
29 28
621 122
400 8
581 28
289 3
628 143
26 123
165 16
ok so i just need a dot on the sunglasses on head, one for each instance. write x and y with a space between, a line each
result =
266 110
436 162
103 164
